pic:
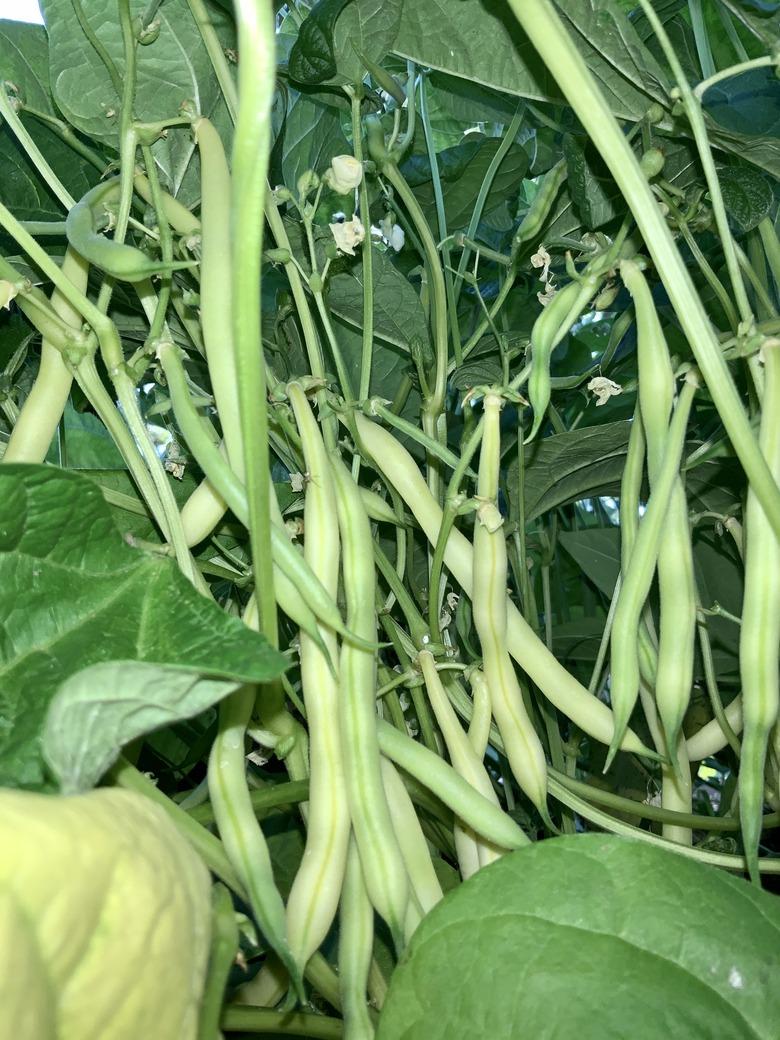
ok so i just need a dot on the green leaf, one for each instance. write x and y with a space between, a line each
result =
590 184
596 937
86 443
567 466
746 104
481 42
462 170
24 61
313 56
99 709
366 27
399 317
748 197
174 69
312 136
73 593
597 553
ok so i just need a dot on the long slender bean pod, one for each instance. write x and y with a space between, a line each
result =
638 577
314 896
240 832
711 739
42 410
677 592
383 865
216 266
479 725
759 634
483 816
414 848
356 943
464 758
554 681
523 747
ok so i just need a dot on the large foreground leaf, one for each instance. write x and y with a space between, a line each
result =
595 937
73 593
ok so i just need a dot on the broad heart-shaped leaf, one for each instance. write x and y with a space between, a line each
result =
746 104
399 317
567 466
597 552
312 136
748 197
480 40
24 191
462 170
99 709
589 184
595 937
173 69
24 61
368 28
73 593
313 55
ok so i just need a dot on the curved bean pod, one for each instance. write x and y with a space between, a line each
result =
383 865
485 818
120 261
554 681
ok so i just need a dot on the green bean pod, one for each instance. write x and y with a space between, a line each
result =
677 592
414 848
465 762
533 222
238 828
216 267
710 739
759 634
356 944
481 815
383 865
43 408
639 575
521 741
548 330
120 261
482 716
314 897
557 684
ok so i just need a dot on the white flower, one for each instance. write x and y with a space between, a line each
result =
603 389
345 173
348 234
296 482
396 238
542 259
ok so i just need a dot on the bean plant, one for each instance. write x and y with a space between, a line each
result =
390 442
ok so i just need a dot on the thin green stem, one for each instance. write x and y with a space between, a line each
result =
693 110
9 113
216 54
732 70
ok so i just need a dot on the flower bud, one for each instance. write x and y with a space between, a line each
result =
345 174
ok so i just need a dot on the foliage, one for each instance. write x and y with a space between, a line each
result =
563 211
